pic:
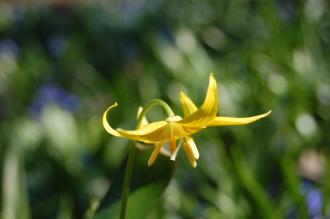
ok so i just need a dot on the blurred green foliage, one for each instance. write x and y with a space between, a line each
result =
62 64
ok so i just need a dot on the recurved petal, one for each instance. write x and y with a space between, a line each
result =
151 133
188 106
105 123
207 111
231 121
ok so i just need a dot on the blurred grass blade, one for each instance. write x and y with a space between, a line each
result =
148 185
264 203
293 184
14 198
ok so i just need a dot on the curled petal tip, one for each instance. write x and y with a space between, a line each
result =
105 123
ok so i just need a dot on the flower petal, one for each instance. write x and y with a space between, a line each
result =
207 111
230 121
151 133
188 106
105 123
155 153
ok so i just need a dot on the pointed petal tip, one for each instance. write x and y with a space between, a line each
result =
212 77
194 164
231 121
182 94
213 83
267 113
202 116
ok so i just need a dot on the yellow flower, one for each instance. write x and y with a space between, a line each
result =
176 128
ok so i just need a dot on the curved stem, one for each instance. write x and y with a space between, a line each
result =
132 151
152 103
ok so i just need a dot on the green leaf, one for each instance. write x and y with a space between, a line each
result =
147 187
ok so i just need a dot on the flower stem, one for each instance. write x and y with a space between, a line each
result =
152 103
127 180
132 151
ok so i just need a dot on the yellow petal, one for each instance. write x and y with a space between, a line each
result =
105 123
155 153
188 106
189 152
230 121
144 119
208 110
151 133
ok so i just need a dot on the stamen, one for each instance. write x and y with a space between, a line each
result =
189 152
173 156
164 151
155 153
192 147
172 144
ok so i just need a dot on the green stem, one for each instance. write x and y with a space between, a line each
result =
152 103
127 180
132 151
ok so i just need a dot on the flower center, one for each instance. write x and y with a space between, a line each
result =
174 118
